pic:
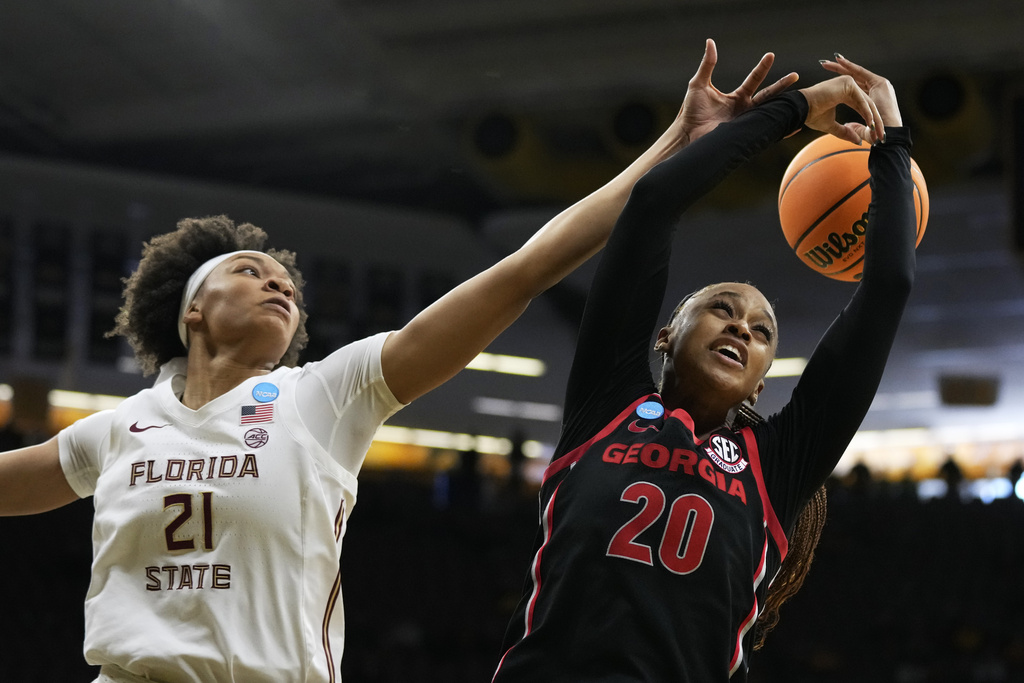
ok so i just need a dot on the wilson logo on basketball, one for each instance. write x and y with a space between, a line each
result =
823 205
838 245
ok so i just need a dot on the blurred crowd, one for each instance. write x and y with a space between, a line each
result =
901 589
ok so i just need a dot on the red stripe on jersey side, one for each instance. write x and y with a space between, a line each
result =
575 454
332 600
549 513
762 566
500 662
737 655
774 527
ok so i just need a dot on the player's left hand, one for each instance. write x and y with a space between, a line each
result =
878 88
822 100
705 106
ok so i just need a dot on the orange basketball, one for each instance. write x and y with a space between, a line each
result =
823 205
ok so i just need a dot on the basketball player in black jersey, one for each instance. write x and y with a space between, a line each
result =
664 519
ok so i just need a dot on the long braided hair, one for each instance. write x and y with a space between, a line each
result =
802 543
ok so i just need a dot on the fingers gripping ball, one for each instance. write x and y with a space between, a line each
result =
823 206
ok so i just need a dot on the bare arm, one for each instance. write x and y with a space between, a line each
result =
32 480
445 337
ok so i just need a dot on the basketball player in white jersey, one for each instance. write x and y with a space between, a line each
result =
222 493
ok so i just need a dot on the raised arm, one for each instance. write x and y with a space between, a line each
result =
626 295
32 481
446 336
839 383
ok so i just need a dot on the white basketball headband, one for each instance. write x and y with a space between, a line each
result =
196 281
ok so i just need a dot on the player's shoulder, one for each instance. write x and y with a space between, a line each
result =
354 356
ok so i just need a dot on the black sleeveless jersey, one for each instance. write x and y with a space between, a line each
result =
655 549
642 514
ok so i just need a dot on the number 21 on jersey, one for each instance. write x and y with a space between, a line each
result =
185 501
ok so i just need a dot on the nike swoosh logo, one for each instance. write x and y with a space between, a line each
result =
634 427
136 428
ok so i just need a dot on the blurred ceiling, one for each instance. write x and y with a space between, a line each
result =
427 104
478 108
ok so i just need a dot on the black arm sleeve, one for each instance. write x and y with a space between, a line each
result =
808 436
612 361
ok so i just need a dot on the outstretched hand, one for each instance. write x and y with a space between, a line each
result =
879 89
870 95
705 106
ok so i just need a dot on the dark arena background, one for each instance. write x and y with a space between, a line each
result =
400 147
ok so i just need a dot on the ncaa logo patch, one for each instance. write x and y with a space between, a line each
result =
650 410
726 453
265 392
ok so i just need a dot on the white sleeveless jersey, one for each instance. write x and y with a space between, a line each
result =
218 531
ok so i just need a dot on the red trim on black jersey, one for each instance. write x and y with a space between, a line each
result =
549 515
575 454
687 420
737 655
774 527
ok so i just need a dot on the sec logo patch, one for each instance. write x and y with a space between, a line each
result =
725 453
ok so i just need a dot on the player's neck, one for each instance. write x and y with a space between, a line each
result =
706 418
210 377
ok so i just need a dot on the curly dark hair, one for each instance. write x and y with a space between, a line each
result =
148 319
